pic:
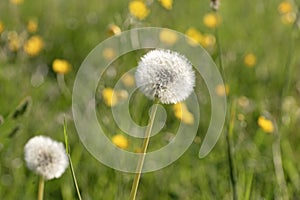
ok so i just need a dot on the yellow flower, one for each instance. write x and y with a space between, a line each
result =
120 141
208 40
108 53
14 41
16 2
138 9
195 37
211 20
34 45
221 90
288 18
114 29
110 99
167 4
168 37
265 124
32 26
250 60
181 112
285 7
128 80
61 66
1 27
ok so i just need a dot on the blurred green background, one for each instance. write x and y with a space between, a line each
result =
260 47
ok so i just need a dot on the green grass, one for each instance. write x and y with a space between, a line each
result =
71 29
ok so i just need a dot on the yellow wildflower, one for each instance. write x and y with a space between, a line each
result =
250 60
221 90
285 7
211 20
208 40
265 124
120 141
181 112
110 99
61 66
288 18
195 37
167 4
108 53
114 29
14 41
168 37
32 26
34 45
1 27
138 9
128 80
16 2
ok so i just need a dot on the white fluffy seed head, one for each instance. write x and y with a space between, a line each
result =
46 157
165 75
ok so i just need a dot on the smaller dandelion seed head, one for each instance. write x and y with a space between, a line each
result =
165 75
46 157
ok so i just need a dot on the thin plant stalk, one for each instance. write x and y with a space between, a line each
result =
229 132
137 177
71 164
41 188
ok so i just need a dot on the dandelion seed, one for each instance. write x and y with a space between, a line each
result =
46 157
138 9
61 66
34 45
120 141
215 4
265 124
165 75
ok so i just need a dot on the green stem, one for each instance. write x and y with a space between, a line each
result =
137 177
41 188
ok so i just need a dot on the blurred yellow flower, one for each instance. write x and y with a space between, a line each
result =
211 20
110 99
32 26
138 9
195 37
128 80
16 2
288 18
208 40
168 37
120 141
285 7
221 90
167 4
108 53
1 27
14 41
181 112
61 66
114 29
250 60
34 45
265 124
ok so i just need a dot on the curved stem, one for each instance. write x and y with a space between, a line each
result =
137 177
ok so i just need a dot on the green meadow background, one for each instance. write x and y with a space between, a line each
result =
32 101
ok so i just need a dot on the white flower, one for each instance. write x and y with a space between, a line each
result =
166 75
46 157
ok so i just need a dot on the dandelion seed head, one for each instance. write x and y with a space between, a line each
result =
165 75
46 157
